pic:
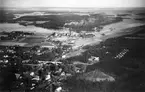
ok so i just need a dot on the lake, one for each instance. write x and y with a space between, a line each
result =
9 27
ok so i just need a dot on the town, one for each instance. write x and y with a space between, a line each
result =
44 61
72 50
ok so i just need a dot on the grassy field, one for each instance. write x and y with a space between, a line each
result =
30 40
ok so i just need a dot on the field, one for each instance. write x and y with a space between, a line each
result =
33 40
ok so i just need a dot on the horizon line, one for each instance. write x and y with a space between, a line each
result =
69 7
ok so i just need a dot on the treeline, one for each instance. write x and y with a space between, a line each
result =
6 17
84 23
54 21
99 20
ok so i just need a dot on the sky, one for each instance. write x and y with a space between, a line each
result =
72 3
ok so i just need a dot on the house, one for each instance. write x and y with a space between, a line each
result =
48 45
93 60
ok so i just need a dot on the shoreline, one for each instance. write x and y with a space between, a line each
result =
97 40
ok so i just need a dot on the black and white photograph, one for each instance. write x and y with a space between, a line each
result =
72 45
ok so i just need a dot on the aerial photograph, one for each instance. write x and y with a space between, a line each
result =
72 45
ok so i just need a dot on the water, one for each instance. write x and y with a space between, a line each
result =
9 27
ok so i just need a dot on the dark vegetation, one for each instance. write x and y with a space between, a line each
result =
58 21
141 14
6 17
122 15
141 19
128 71
15 35
86 86
55 21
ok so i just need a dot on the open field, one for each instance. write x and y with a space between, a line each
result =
33 40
